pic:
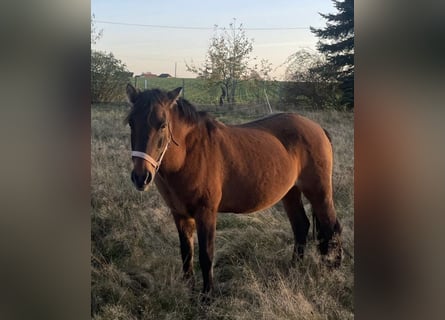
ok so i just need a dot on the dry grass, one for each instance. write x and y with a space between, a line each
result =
136 266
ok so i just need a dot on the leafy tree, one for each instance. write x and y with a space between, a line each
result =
261 72
337 43
260 82
308 75
108 76
226 60
303 65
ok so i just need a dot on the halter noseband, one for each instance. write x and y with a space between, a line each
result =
150 159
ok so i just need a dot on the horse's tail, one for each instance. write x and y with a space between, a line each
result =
314 219
328 135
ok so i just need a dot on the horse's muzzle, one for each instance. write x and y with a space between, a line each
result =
141 182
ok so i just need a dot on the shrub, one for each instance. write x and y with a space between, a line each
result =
109 77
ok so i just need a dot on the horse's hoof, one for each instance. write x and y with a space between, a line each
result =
334 258
332 263
189 281
300 251
297 255
206 298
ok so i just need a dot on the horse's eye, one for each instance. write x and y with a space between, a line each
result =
163 126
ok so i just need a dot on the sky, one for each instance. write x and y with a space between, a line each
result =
159 49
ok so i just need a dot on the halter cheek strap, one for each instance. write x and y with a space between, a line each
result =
148 158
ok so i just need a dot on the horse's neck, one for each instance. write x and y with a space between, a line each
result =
184 138
199 135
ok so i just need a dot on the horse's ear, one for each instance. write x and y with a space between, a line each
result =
174 94
132 93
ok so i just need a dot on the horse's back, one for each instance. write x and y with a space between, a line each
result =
293 130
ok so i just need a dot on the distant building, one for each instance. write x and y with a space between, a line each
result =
148 75
164 75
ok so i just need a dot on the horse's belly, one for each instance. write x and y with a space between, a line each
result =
252 205
246 201
246 208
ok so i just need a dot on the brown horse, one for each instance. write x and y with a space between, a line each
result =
202 166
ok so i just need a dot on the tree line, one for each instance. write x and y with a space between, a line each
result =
322 78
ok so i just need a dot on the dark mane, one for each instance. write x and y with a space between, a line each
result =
144 101
189 114
186 111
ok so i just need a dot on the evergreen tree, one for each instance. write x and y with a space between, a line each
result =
337 43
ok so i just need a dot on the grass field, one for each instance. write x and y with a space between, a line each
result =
136 265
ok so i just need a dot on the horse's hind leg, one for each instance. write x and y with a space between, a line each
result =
298 220
328 226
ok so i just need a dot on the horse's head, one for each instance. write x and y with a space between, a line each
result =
150 123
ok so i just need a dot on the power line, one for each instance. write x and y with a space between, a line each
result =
193 27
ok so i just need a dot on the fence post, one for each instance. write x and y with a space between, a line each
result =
267 100
183 89
145 83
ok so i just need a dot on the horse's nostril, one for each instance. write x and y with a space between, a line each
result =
142 179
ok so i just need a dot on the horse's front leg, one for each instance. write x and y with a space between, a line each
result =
186 228
206 228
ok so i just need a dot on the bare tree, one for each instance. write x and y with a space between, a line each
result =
95 34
